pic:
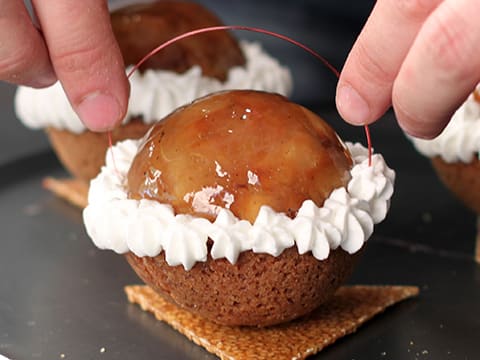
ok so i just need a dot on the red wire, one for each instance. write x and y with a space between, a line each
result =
253 29
232 27
110 146
369 144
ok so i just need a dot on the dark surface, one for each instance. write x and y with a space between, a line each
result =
60 297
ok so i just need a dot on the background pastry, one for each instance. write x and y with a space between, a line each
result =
183 72
455 155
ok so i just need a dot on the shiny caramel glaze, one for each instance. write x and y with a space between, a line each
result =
239 150
142 27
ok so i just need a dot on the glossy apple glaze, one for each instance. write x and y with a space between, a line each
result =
239 150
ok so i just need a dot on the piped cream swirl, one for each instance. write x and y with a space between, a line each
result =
156 93
460 140
147 227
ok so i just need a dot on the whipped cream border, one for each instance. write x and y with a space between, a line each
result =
147 227
460 140
156 93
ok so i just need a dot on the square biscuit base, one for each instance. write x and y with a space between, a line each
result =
350 307
74 191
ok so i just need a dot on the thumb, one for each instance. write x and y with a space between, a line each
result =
86 59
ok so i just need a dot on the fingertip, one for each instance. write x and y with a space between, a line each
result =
439 72
352 106
86 59
100 111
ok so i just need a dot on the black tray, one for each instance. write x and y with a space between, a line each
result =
60 297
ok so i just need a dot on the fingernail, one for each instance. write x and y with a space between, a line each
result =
42 81
351 106
99 112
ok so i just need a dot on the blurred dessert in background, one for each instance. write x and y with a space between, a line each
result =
455 155
186 70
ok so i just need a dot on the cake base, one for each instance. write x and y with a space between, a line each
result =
350 307
461 179
282 288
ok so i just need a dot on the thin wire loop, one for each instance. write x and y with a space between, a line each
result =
252 29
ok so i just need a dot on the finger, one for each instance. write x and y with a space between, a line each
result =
23 54
86 59
365 85
441 69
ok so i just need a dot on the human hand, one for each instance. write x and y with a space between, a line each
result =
419 55
76 46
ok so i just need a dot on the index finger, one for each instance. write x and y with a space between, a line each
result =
364 90
86 59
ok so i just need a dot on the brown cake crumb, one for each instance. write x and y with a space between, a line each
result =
258 290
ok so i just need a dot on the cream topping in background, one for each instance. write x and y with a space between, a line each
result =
460 140
147 227
156 93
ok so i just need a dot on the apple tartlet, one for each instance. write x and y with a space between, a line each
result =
242 207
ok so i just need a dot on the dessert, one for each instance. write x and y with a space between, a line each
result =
242 207
182 72
455 155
